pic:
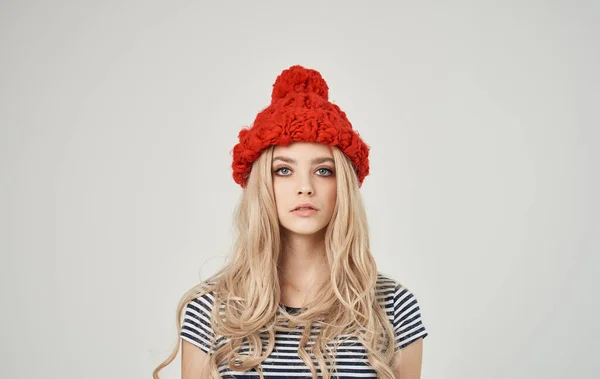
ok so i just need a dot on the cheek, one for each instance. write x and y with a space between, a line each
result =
282 195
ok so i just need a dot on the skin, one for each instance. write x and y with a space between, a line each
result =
409 366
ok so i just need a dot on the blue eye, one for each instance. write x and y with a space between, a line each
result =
328 172
278 171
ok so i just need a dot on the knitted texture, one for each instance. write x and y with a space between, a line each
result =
300 111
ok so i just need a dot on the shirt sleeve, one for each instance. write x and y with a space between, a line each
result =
408 324
196 327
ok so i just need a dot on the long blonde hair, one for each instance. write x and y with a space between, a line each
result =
345 305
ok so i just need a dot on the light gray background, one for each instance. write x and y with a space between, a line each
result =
118 118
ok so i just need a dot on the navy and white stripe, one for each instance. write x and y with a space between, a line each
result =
399 303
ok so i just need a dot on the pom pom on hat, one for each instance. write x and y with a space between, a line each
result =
300 111
299 79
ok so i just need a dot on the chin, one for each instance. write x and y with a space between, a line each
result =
305 230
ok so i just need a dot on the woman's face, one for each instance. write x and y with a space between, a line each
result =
304 173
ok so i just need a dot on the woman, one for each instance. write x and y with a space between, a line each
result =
301 295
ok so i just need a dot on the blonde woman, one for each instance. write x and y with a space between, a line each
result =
301 296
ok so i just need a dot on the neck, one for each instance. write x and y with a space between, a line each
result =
302 252
303 261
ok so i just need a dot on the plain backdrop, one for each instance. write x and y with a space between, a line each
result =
117 120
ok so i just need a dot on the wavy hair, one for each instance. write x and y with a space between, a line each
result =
345 305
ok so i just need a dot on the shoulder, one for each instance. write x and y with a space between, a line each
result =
197 324
385 281
394 296
201 299
403 310
388 287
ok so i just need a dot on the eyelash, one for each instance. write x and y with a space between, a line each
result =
287 168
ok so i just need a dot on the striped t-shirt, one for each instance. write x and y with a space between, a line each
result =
351 361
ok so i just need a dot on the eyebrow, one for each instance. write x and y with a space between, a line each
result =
313 161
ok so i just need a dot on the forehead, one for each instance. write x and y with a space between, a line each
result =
303 150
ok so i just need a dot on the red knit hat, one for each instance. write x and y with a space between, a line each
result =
299 112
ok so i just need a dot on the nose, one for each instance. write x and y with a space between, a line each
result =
304 181
305 190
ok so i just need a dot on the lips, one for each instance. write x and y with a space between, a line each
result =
305 206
